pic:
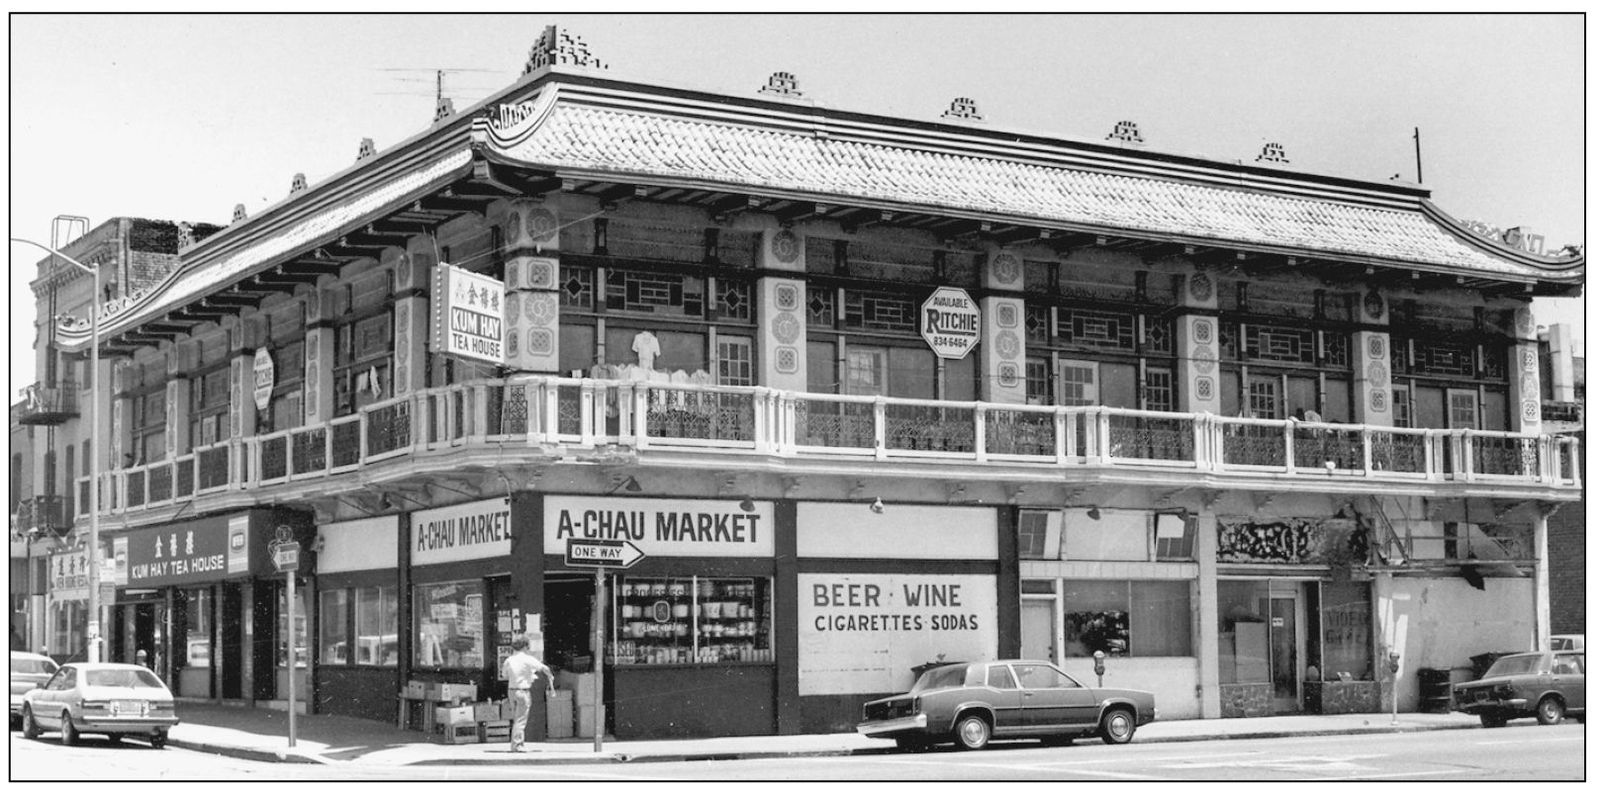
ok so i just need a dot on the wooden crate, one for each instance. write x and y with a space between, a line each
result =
459 733
416 715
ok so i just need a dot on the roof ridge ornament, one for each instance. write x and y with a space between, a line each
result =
782 84
963 109
365 150
560 47
1272 152
298 183
444 109
239 213
1126 132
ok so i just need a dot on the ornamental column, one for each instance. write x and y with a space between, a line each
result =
782 329
1373 374
1526 415
1002 347
1208 624
1198 338
178 403
530 243
411 272
319 349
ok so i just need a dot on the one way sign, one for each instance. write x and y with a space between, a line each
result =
603 553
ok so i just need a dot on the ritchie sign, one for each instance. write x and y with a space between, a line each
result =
950 323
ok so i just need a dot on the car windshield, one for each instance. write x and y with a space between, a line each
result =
32 665
122 677
1515 664
946 676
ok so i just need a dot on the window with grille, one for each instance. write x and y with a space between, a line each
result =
821 307
209 397
577 289
1159 335
1462 409
1280 344
1101 329
864 372
732 299
1039 534
735 360
879 311
1401 405
1264 398
1173 537
1038 318
655 293
1444 359
1037 387
1078 383
1159 390
1335 347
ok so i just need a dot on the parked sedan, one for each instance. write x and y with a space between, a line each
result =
113 699
27 671
1544 685
971 703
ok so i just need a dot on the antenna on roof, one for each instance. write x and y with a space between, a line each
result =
439 80
1418 156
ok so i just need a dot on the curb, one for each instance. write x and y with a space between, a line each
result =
250 754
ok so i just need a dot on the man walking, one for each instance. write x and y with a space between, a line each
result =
521 668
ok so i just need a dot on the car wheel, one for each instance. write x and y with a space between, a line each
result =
30 727
158 740
973 732
1117 727
16 722
1550 711
1579 718
1491 721
69 733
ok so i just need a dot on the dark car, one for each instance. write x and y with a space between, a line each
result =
1543 685
971 703
113 699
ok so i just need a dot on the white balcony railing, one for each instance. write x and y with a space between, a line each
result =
652 416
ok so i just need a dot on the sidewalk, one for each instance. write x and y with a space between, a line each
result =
262 734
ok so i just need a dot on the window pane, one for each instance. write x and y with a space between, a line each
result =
333 631
450 626
1161 618
1096 617
198 628
282 650
376 625
913 373
958 379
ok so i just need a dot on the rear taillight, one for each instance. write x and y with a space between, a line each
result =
94 705
914 706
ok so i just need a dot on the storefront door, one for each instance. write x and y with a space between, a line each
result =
1037 641
1281 609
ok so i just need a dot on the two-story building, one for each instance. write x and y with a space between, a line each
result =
864 393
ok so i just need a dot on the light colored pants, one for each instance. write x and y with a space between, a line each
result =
520 698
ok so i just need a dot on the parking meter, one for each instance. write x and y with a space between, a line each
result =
1393 670
1097 665
1393 663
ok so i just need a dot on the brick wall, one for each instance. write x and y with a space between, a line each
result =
146 269
1566 568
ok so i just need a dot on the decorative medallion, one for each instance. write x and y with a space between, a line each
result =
1376 373
1008 316
1373 304
1008 375
1529 359
786 297
1202 332
512 344
1524 322
784 246
514 231
1201 287
785 327
1007 344
1379 401
786 360
1376 346
542 223
1529 411
1204 360
540 341
402 376
541 308
1006 268
540 274
1529 386
1204 387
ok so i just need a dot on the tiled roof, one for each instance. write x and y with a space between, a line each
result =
639 143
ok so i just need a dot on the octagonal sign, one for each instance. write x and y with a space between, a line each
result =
950 322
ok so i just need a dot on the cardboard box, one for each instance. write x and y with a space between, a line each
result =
459 733
585 721
488 711
583 685
416 690
560 715
454 715
458 692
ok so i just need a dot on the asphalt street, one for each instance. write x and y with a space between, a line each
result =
1520 752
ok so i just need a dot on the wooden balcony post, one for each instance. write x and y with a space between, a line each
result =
1367 448
880 427
980 432
1288 459
1064 441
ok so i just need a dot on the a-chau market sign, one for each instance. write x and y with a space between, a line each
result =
950 323
663 527
466 315
467 531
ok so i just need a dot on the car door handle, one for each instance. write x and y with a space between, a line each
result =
1027 693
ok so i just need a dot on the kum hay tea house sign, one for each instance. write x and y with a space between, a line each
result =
466 315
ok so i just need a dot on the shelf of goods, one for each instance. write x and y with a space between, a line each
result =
691 620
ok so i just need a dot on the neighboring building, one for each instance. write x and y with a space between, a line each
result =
1563 413
866 392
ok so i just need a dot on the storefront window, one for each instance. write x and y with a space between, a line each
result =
450 621
692 620
281 648
1346 630
334 628
197 628
376 625
1244 638
1128 618
67 619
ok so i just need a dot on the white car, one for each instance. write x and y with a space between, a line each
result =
27 671
113 699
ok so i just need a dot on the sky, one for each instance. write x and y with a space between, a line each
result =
181 117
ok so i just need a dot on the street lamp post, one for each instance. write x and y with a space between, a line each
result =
92 651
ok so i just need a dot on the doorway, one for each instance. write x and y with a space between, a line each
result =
1037 638
1281 609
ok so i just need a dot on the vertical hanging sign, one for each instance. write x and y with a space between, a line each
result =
465 315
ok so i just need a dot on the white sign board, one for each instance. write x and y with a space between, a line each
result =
262 376
660 527
467 315
863 633
950 322
483 529
287 557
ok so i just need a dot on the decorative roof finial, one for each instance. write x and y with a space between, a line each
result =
239 213
444 109
963 109
559 47
1272 152
365 150
782 84
298 183
1126 132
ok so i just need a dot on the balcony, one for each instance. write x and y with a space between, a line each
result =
46 405
536 419
41 515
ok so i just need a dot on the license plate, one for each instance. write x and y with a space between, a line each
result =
129 709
